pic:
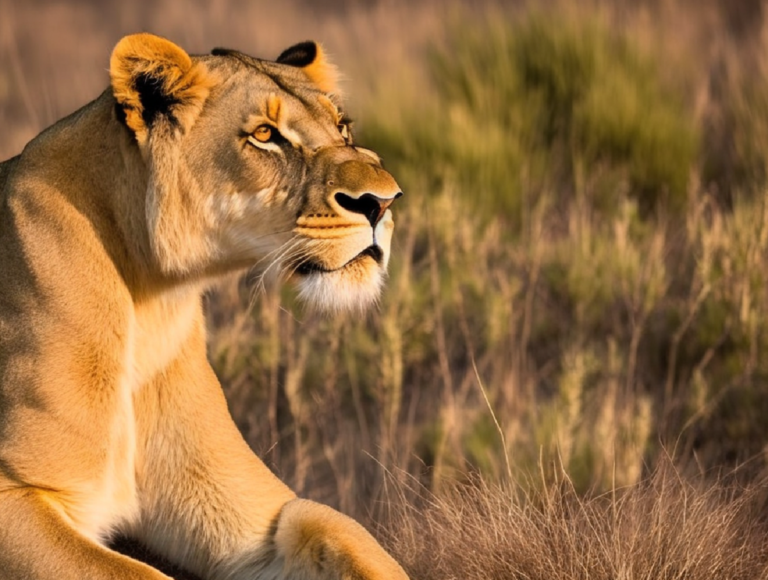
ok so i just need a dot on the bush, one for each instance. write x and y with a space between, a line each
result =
565 104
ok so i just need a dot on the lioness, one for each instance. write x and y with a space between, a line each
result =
112 222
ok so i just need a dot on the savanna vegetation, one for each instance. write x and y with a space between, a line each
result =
565 377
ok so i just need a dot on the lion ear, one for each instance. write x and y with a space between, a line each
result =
153 79
310 57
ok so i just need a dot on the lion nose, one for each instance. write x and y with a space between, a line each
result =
368 204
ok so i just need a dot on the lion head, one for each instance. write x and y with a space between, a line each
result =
252 162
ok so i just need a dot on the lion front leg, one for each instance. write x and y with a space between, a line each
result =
210 505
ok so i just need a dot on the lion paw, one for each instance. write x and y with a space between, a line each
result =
315 542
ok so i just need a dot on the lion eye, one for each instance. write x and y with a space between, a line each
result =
344 130
263 133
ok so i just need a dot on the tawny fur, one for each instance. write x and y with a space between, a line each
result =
112 222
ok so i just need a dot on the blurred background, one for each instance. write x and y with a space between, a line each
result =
579 280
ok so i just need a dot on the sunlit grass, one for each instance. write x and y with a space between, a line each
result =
664 528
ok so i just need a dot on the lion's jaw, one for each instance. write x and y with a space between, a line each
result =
337 264
357 281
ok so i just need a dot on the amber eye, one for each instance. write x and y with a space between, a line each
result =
344 130
263 133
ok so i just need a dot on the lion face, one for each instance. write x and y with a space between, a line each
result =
252 162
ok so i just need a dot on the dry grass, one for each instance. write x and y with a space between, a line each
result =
663 528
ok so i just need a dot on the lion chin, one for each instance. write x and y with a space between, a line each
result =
354 287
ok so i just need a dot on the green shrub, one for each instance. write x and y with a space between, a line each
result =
560 103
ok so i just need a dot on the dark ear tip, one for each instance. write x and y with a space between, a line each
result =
300 55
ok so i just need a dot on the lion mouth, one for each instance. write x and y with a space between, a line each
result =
310 266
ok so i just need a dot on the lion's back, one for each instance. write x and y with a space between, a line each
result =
6 167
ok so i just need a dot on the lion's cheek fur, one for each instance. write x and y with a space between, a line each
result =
196 228
245 225
175 215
